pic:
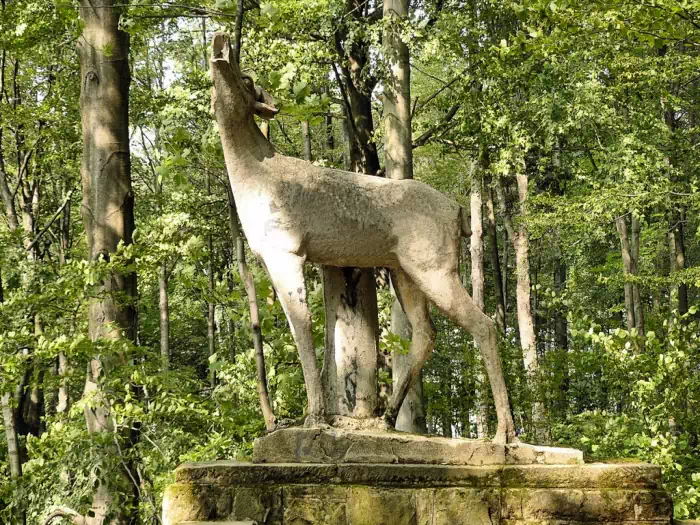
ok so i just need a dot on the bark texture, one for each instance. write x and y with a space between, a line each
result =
492 234
351 339
476 250
628 229
107 209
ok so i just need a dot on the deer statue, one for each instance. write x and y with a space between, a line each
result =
293 212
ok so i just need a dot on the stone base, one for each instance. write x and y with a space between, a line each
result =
394 494
313 445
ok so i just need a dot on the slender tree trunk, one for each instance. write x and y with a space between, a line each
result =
347 164
164 309
629 243
306 139
623 232
676 242
163 278
63 398
495 259
108 214
477 278
211 306
63 402
637 295
398 160
526 326
330 139
519 238
11 434
561 330
255 329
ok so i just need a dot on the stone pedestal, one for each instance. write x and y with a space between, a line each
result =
349 478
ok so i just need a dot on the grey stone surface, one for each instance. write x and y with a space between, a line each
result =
314 445
395 494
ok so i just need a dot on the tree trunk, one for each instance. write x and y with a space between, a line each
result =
629 245
347 164
561 330
477 278
526 326
519 238
351 338
492 234
623 232
65 229
164 308
398 163
255 329
8 415
11 435
211 306
108 215
637 294
676 243
306 139
163 278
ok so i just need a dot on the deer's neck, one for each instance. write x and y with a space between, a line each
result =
245 149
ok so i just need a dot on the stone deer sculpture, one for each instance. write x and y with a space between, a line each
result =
293 212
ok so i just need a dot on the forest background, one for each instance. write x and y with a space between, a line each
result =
568 128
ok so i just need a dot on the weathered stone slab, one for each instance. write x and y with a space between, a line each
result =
591 475
606 505
396 494
594 475
313 445
324 505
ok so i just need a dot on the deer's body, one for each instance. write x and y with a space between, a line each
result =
337 218
293 212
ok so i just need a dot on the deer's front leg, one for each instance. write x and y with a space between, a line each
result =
287 273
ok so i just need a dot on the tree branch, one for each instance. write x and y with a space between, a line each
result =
53 219
442 125
65 512
443 88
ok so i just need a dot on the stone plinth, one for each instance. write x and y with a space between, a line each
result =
418 494
301 445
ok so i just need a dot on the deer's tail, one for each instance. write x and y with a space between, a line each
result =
465 223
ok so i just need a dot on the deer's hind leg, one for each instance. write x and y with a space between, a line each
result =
287 273
444 288
417 308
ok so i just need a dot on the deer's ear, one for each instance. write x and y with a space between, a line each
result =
265 111
264 106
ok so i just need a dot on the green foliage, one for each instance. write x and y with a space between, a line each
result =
577 95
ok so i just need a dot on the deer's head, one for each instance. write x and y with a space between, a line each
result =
237 92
